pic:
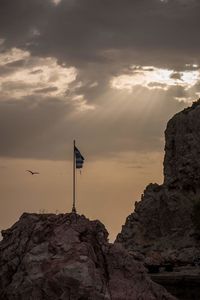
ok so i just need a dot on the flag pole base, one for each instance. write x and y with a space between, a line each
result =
73 210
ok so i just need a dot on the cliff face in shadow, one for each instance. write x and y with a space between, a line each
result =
182 150
162 226
68 257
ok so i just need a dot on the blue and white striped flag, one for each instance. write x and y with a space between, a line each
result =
79 158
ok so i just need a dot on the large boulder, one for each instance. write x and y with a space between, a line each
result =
67 256
162 224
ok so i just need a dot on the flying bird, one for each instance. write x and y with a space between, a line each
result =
32 173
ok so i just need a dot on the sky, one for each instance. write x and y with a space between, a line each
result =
108 73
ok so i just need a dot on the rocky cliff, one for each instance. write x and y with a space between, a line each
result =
162 226
68 257
182 150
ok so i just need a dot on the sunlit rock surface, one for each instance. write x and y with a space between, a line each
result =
68 257
161 228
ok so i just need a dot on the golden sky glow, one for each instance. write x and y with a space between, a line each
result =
105 188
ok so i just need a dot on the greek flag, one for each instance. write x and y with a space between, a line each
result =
78 158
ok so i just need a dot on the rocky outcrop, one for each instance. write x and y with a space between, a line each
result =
161 229
67 256
182 150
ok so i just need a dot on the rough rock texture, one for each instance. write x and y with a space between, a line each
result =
68 257
182 156
161 227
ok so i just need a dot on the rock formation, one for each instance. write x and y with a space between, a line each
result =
182 150
68 257
162 228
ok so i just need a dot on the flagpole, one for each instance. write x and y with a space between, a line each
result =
74 180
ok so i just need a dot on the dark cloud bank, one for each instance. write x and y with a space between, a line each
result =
82 31
101 39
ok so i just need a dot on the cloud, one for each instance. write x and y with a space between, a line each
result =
86 31
45 128
66 71
56 2
25 75
12 56
155 78
44 105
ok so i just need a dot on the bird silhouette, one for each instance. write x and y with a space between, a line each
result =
32 173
